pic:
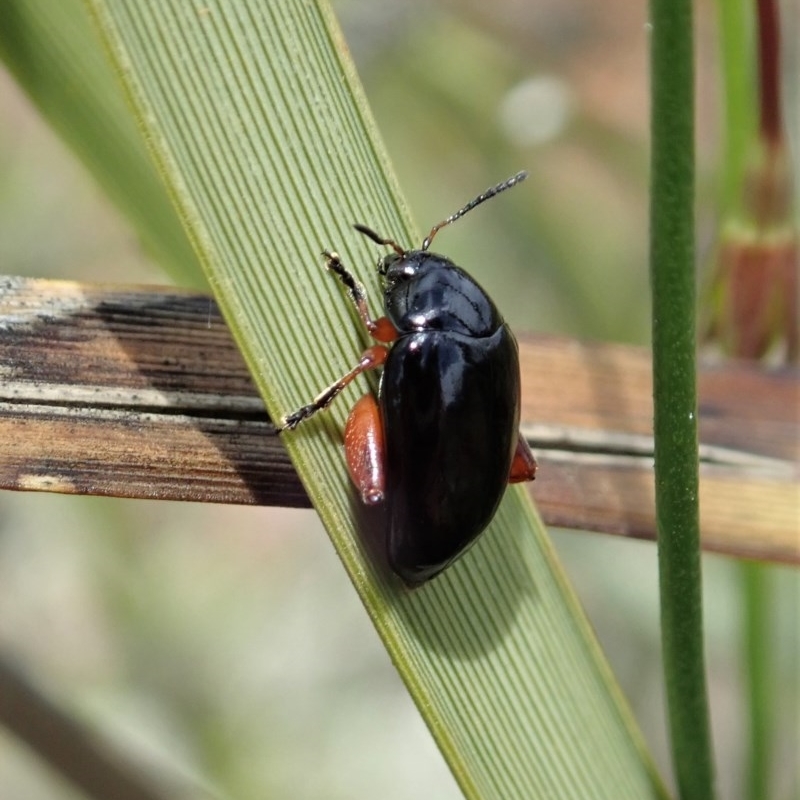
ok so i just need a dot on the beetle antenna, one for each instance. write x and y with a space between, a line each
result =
501 187
379 239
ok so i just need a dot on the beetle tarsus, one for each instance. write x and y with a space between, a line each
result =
381 329
291 421
356 290
371 358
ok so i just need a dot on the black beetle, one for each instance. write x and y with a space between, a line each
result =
444 442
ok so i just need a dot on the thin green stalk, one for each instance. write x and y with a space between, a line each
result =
757 656
738 82
675 400
753 109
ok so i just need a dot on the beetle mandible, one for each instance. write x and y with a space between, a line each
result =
442 441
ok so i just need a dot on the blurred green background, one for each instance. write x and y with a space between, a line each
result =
223 646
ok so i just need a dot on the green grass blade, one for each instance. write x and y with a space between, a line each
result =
52 50
258 124
675 397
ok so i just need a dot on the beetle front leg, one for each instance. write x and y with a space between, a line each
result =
380 329
371 358
523 467
364 449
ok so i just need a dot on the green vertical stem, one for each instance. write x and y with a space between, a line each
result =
755 579
750 39
675 399
757 655
738 86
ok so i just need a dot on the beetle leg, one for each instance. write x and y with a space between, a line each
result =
371 358
364 448
380 329
523 467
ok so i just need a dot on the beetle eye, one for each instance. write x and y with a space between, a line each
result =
385 263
